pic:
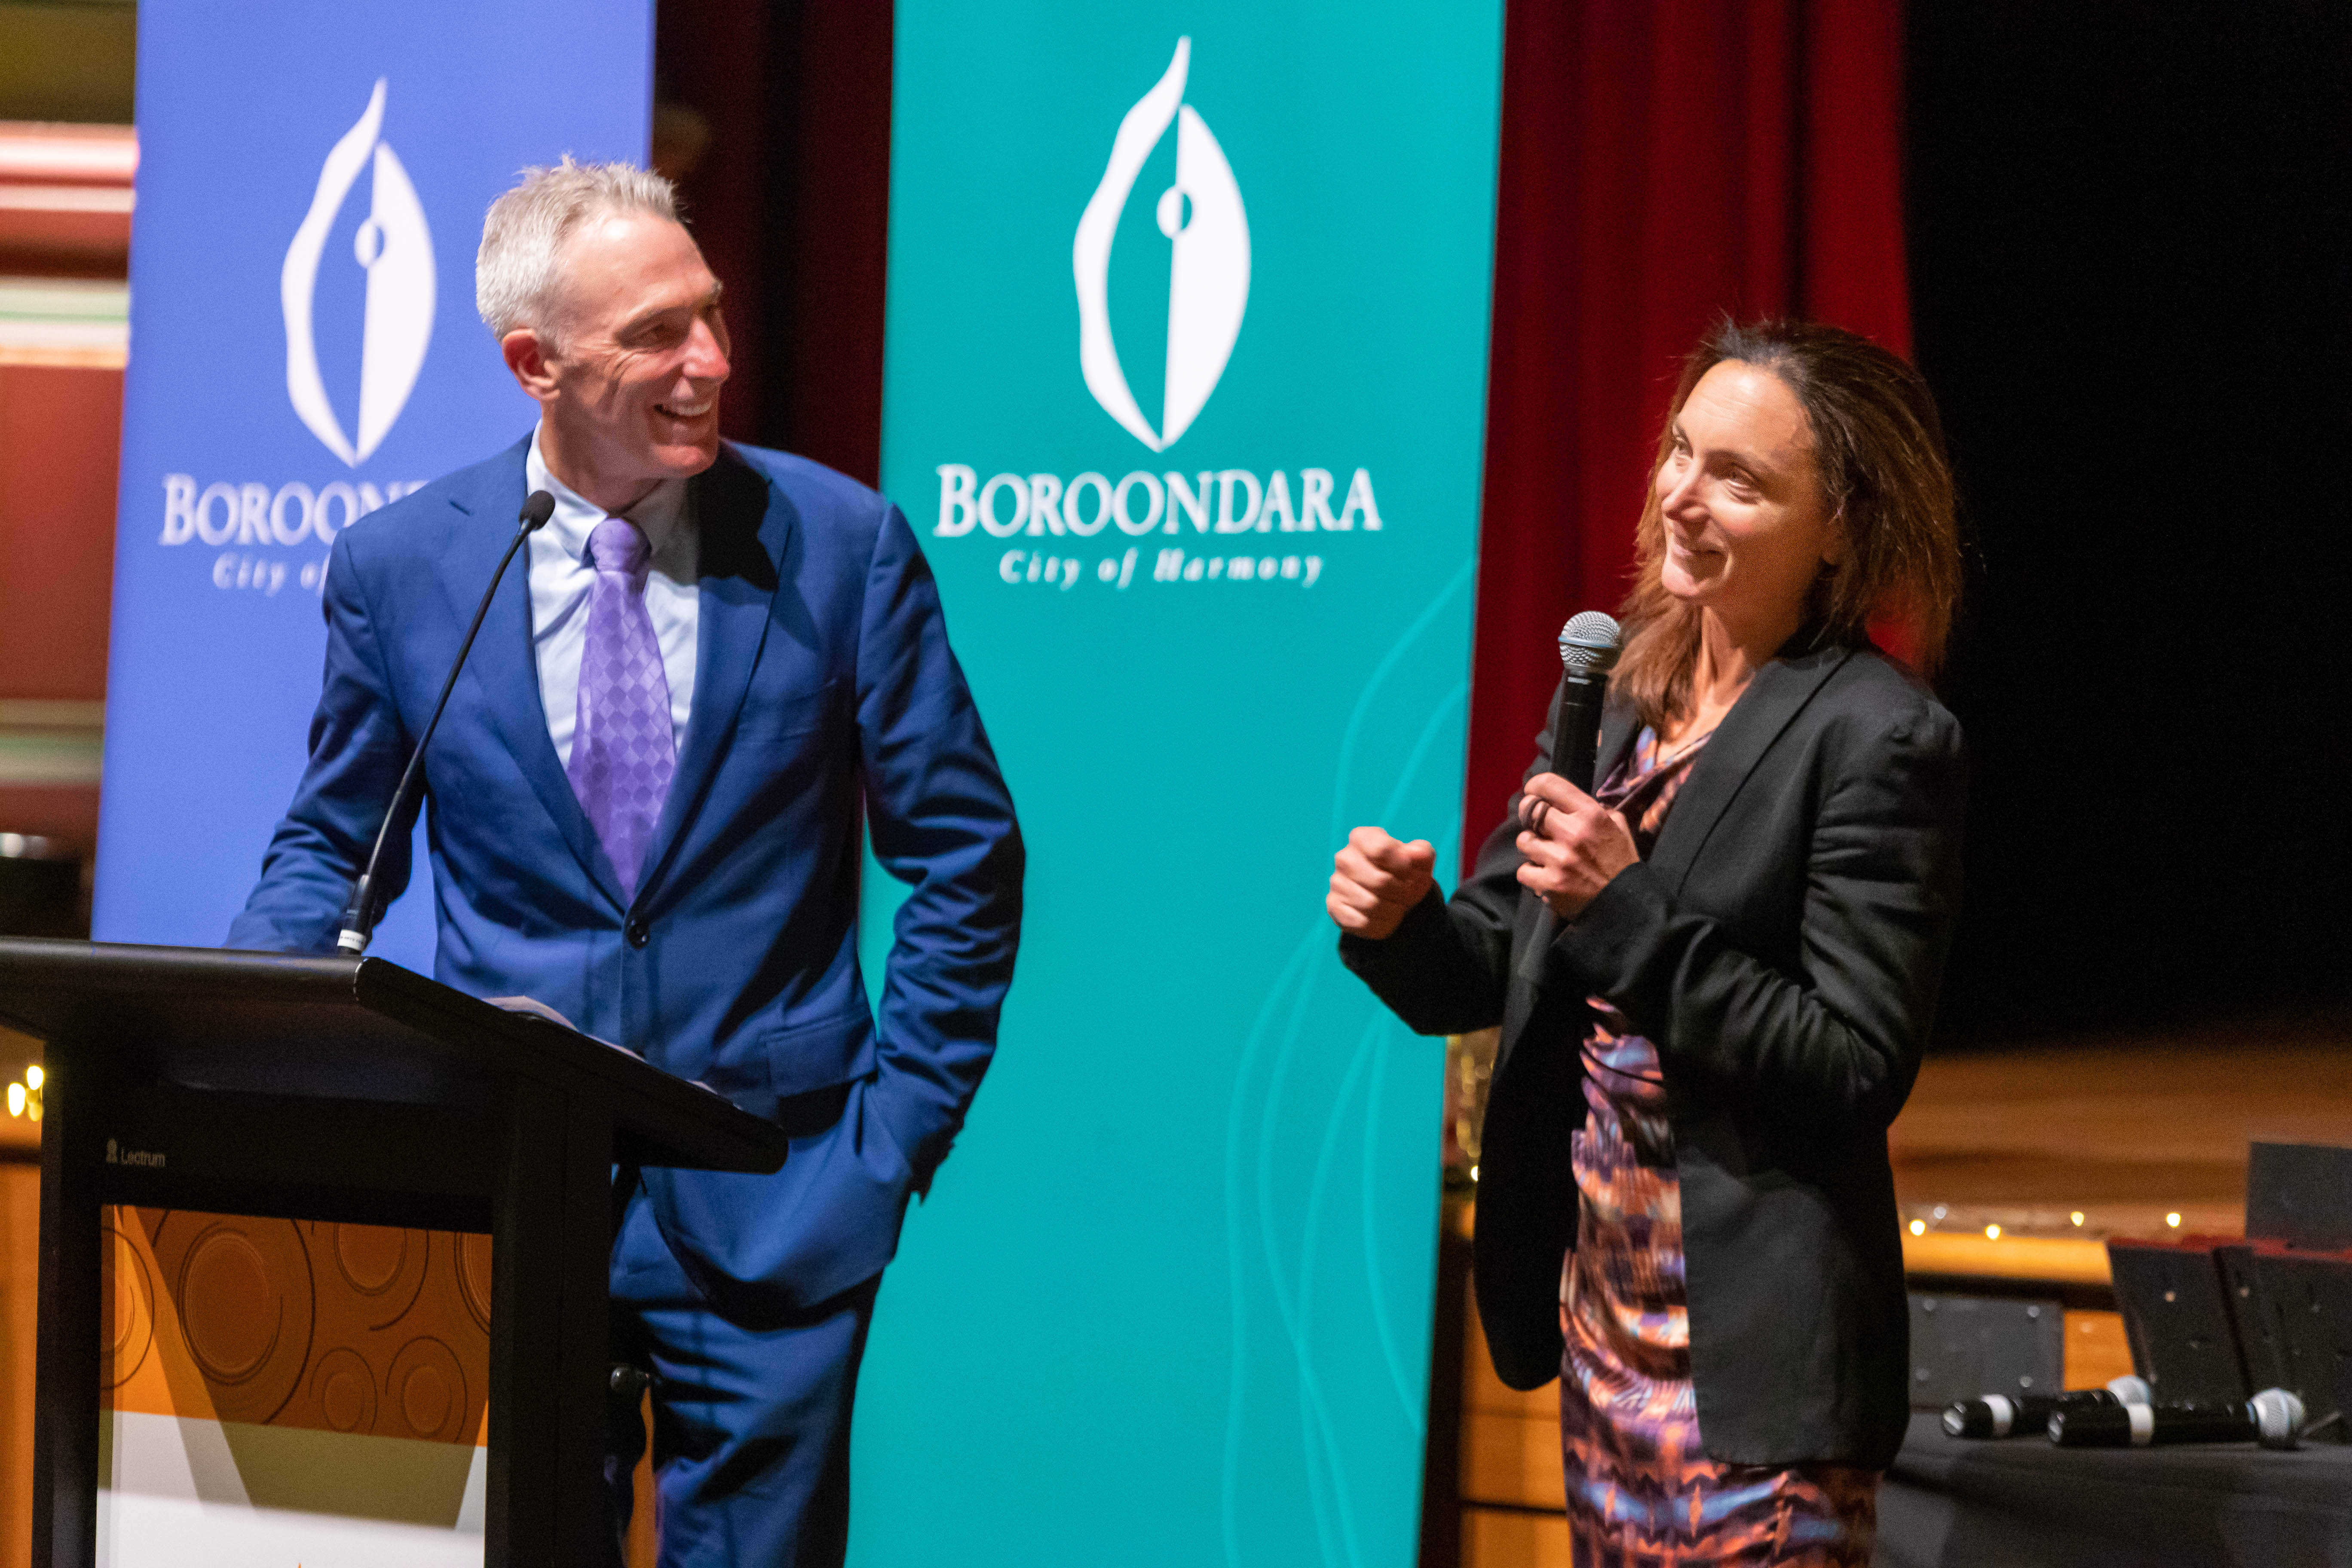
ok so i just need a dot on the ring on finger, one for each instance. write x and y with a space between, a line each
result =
1536 816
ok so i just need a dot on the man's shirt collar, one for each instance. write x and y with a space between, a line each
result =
657 515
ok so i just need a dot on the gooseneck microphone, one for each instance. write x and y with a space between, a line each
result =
1589 647
360 914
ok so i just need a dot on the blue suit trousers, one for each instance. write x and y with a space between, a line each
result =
750 1429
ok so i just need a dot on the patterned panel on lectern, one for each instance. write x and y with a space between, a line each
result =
334 1328
335 1376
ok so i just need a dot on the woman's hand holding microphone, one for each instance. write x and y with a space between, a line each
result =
1571 846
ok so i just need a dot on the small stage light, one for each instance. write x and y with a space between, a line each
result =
2173 1220
2076 1217
25 1099
1992 1233
1918 1227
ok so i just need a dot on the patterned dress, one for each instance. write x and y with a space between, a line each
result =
1642 1492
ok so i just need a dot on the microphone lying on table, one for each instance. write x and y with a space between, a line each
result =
2126 1414
2014 1416
2272 1418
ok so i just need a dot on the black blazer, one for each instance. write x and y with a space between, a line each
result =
1782 947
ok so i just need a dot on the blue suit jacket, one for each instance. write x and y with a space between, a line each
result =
823 673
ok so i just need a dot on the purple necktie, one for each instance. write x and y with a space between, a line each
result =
622 750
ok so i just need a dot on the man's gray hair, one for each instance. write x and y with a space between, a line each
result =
515 275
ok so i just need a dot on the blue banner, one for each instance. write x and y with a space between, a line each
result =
304 349
1185 378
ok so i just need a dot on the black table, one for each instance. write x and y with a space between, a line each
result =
2022 1503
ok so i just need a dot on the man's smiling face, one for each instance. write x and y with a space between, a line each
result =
629 383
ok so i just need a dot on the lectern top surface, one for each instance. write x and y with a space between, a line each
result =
351 1028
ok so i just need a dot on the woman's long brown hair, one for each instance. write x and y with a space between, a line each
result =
1878 446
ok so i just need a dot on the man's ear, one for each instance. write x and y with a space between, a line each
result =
531 360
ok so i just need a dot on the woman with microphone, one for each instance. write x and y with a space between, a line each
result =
1715 973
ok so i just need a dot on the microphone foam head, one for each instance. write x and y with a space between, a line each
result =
2278 1417
1590 643
536 510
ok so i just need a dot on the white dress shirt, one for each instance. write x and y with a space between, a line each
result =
560 578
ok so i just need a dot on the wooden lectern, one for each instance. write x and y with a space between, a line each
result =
349 1089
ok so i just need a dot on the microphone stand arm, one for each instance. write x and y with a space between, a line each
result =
359 914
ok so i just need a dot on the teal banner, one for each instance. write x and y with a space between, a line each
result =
1185 398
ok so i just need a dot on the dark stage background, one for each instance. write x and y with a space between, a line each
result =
2129 270
2130 273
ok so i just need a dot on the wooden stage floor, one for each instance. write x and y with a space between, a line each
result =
2125 1129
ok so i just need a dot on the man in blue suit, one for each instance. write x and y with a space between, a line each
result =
644 806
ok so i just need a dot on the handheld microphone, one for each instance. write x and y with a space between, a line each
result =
1589 647
2272 1418
2006 1415
360 914
1588 651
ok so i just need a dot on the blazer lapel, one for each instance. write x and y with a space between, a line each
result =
1779 691
744 527
503 669
1617 730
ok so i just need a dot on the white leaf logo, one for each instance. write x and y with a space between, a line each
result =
1209 271
396 250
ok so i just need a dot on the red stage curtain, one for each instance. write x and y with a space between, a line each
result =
791 202
1663 161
